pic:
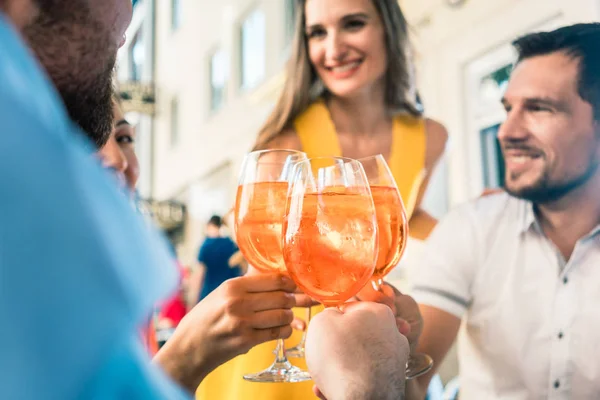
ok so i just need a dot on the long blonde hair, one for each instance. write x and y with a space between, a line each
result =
303 86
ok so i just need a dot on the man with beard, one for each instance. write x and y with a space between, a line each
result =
79 270
522 268
77 43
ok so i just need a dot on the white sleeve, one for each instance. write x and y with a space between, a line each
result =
445 275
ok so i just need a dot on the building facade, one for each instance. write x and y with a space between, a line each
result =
218 68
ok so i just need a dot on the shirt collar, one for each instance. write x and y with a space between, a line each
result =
529 221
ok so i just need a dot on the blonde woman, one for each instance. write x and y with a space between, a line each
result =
349 92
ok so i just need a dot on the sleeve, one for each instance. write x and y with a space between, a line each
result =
132 376
445 276
79 269
202 254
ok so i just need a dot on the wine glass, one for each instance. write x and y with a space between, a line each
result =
330 229
298 350
393 236
259 210
391 216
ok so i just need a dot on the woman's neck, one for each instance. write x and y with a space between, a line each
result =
364 114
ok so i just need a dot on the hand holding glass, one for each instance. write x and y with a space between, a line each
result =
259 211
393 236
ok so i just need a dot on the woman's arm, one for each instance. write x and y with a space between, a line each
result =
422 223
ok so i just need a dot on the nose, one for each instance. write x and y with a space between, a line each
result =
112 156
336 50
514 127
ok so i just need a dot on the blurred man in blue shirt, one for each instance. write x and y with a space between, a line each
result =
213 260
78 269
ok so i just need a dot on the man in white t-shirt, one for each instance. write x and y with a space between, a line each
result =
522 268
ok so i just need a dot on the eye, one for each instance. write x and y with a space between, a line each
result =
538 108
125 139
355 24
316 33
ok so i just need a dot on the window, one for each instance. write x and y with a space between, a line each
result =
219 75
290 20
175 14
253 49
492 86
174 121
137 56
491 89
492 159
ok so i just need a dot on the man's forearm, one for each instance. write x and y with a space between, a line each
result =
178 363
196 283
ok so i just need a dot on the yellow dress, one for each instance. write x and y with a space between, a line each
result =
317 134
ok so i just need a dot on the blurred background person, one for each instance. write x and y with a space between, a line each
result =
349 91
171 312
213 266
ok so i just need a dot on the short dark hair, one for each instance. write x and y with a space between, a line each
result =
579 41
216 221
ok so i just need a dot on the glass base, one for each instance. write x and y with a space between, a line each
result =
279 372
417 365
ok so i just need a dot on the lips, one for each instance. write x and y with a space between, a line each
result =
345 70
521 152
519 160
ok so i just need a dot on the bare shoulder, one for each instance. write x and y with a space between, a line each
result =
437 136
287 139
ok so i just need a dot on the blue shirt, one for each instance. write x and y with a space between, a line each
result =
214 254
79 269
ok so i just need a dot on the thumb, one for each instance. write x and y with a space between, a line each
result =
403 326
385 296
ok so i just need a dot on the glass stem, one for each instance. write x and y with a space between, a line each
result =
280 352
308 316
377 285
